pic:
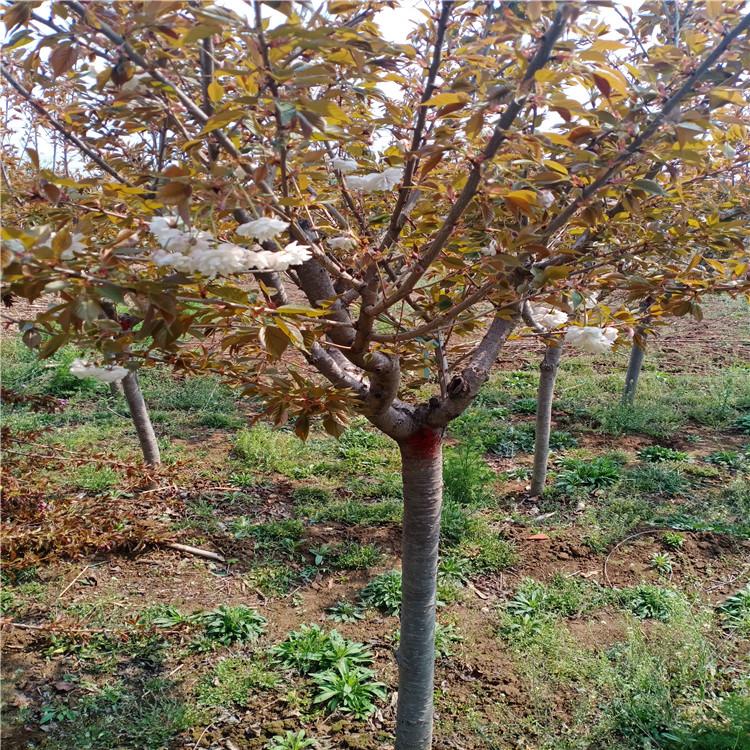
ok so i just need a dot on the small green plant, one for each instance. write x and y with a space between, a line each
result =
303 649
559 440
312 649
457 523
235 680
355 556
455 568
384 593
673 539
662 562
165 616
735 611
651 602
446 636
659 453
524 406
588 475
729 459
467 479
345 612
58 713
520 473
488 552
227 625
742 424
527 601
350 689
290 741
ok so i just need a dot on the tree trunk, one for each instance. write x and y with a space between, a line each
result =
139 414
115 389
548 376
635 366
422 470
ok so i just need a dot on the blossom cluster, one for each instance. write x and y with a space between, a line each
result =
592 339
548 317
344 165
375 182
110 374
342 242
191 251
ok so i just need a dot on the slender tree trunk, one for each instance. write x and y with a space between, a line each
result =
139 414
548 375
635 366
115 389
422 470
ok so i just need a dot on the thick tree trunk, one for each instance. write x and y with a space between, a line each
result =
422 469
139 414
548 376
635 366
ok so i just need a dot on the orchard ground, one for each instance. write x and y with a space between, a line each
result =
612 612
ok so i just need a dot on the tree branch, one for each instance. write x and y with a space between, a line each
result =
500 134
562 218
60 128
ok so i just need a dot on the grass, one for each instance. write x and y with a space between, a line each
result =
236 680
574 665
145 714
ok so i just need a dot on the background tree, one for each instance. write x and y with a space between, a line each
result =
521 143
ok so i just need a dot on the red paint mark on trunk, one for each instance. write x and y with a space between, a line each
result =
425 443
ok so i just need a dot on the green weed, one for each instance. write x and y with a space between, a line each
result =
384 593
659 453
236 680
656 479
580 474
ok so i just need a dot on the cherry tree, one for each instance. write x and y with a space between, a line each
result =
317 214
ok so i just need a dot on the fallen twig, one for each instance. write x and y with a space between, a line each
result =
59 596
196 551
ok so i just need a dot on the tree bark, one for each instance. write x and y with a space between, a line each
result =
422 470
139 414
548 375
635 366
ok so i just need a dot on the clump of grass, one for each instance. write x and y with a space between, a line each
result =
142 713
656 419
653 602
93 478
659 453
728 458
236 680
355 556
588 475
467 479
735 611
655 479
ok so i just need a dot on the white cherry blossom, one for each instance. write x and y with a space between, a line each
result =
344 165
82 369
375 182
592 339
262 229
342 243
547 316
